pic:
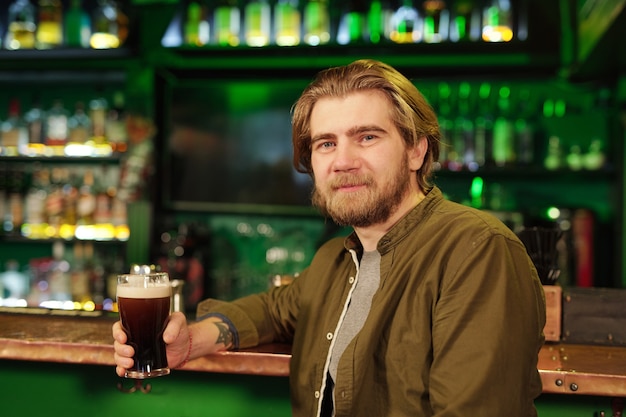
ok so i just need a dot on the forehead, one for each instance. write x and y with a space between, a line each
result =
370 106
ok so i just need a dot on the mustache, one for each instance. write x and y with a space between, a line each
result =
350 180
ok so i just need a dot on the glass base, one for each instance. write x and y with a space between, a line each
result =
144 375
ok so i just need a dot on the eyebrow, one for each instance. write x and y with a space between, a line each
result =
353 131
365 128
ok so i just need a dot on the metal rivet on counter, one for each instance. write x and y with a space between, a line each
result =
558 382
573 386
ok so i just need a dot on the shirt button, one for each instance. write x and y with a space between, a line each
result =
317 394
351 280
329 336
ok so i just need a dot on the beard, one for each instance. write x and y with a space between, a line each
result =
372 205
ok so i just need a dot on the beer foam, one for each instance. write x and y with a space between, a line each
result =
156 291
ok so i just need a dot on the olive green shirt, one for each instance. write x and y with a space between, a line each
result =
454 329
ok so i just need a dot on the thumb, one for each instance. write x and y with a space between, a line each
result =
176 326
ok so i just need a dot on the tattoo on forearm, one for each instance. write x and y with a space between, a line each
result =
224 336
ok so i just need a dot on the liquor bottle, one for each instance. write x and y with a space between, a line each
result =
103 189
110 26
70 182
503 133
497 22
86 204
98 116
34 226
463 137
483 131
3 195
77 26
14 216
79 125
257 23
50 24
55 202
56 125
524 128
406 24
115 124
59 281
436 21
79 275
13 131
196 27
465 22
287 23
378 21
21 26
227 23
445 122
316 23
352 23
35 121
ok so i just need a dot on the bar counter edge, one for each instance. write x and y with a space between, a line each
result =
564 368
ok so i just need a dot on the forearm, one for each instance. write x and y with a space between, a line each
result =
209 336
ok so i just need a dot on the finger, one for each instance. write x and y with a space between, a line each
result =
118 332
121 372
123 361
177 322
123 350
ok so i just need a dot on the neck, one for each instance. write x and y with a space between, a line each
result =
370 235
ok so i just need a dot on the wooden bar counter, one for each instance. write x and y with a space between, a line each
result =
57 337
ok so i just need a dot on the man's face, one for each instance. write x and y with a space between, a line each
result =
362 169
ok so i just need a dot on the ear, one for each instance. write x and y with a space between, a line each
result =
417 153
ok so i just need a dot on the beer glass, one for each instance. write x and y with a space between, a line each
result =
144 304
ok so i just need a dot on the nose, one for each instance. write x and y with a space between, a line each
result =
346 156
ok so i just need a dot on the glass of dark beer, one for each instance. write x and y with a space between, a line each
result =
144 304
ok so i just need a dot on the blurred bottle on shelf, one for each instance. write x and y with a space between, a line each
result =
595 157
14 213
77 26
3 195
21 26
196 28
59 282
483 131
257 23
352 24
13 131
406 24
464 133
35 121
86 203
503 132
287 23
35 219
379 21
50 24
316 22
465 22
436 21
227 23
497 25
524 128
56 125
79 125
115 123
444 94
110 26
98 115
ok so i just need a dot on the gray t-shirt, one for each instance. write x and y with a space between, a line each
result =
359 308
